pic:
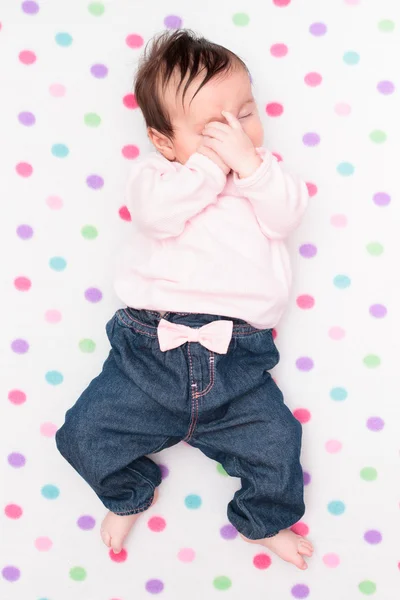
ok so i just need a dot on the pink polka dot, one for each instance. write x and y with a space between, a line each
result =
261 561
22 284
342 109
57 90
124 213
331 560
43 544
186 555
17 397
54 202
130 101
134 41
305 301
13 511
339 220
48 429
302 414
53 316
300 528
352 2
274 109
281 2
277 156
156 524
27 57
120 557
279 50
333 446
336 333
312 189
24 169
313 79
130 152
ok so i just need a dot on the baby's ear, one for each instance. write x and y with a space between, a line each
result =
162 143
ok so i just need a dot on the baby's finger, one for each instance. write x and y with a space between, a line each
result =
218 125
214 132
212 143
233 121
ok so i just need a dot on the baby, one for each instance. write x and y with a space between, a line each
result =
205 278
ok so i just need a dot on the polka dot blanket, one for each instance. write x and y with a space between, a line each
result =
326 78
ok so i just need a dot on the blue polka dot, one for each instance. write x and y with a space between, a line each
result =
58 263
338 394
63 39
341 281
351 58
336 507
193 501
50 491
345 169
59 150
54 377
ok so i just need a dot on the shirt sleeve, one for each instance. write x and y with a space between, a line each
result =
279 199
162 196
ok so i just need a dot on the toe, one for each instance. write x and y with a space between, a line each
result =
116 547
305 550
300 562
105 536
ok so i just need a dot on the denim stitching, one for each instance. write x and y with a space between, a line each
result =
193 394
212 376
134 511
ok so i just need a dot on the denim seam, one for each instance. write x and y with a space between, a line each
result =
210 385
193 394
134 511
135 328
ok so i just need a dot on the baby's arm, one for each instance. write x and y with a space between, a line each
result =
163 196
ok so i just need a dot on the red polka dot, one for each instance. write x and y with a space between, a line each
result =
13 511
24 169
277 156
305 301
278 50
120 557
124 213
261 561
22 284
129 101
302 414
27 57
130 151
281 2
17 397
300 528
134 41
313 79
312 189
274 109
157 524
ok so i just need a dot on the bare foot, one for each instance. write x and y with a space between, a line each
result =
289 546
115 528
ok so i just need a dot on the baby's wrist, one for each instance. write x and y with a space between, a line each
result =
249 166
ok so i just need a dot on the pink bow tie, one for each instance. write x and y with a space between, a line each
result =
214 336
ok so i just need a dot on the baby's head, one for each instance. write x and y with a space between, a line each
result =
182 83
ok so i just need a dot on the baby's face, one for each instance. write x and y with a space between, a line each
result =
231 92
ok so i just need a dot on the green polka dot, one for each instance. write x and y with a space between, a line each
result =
241 19
222 583
374 248
92 119
367 587
77 573
339 394
50 492
378 136
96 9
221 470
87 346
372 361
89 232
368 474
386 25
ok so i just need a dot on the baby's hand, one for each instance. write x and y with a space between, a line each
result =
214 157
232 145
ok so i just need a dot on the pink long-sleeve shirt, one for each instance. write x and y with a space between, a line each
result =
206 243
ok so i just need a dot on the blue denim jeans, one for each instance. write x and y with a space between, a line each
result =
227 405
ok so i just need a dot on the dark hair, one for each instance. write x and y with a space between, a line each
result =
185 53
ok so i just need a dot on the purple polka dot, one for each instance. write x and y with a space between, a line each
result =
25 232
154 586
164 471
378 310
99 71
308 250
304 363
385 87
20 346
381 199
306 478
86 522
30 8
375 424
173 22
26 118
93 295
228 532
95 182
11 573
15 459
372 536
300 591
317 29
311 139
